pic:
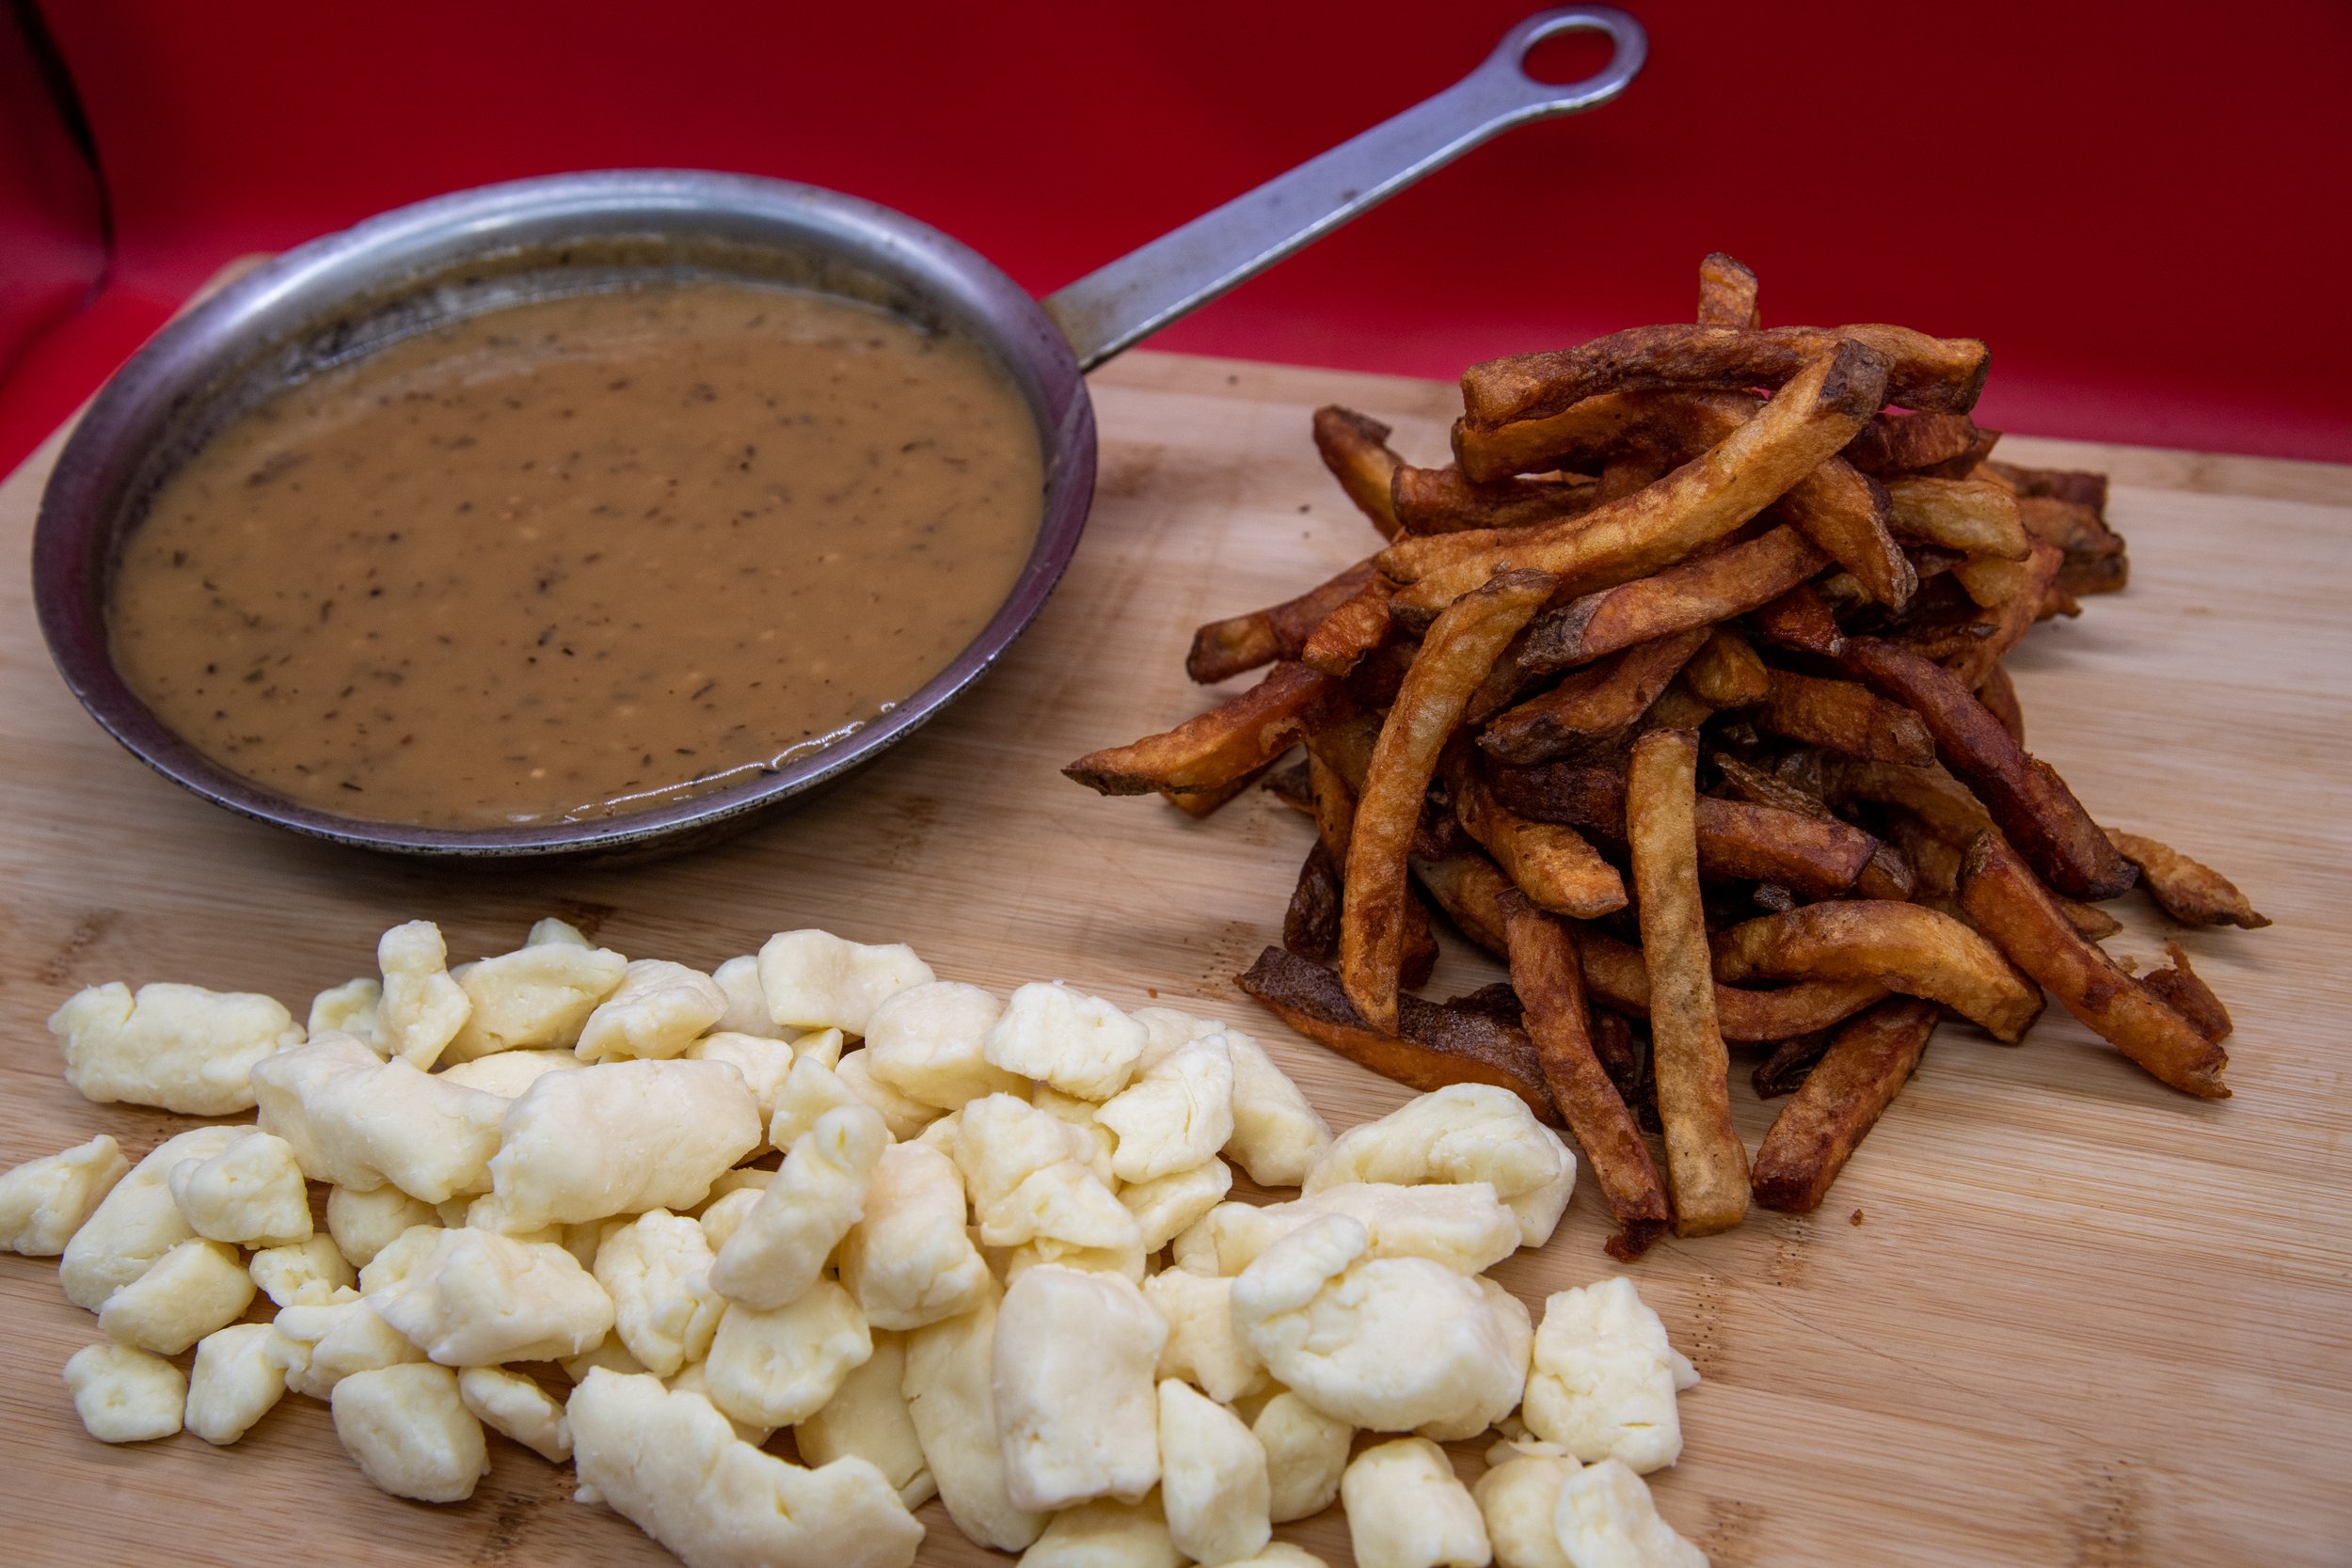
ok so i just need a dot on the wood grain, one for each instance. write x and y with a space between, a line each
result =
2085 1321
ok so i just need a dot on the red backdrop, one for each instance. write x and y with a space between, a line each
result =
2144 212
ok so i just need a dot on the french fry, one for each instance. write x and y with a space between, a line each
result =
1595 706
1931 375
1998 694
1786 1069
1310 926
1905 947
1706 1162
1455 655
1332 803
1968 515
1549 862
1202 803
1803 423
1940 802
2091 922
1578 438
1294 785
2013 595
2192 893
1354 627
1231 741
1546 974
1614 975
1969 464
1699 593
2009 905
2187 995
1470 888
1894 444
1846 718
1726 670
1801 619
1726 292
2025 797
1223 649
1843 1096
1355 447
1433 1046
1887 874
1846 516
1445 500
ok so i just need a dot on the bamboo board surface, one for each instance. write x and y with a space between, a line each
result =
2076 1319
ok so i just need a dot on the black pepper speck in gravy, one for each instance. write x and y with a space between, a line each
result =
581 556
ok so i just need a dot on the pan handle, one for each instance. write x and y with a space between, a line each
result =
1112 309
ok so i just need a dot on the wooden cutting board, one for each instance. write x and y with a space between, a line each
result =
2053 1313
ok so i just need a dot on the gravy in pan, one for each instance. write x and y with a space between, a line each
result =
581 557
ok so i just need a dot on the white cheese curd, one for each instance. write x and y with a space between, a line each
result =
44 1201
181 1048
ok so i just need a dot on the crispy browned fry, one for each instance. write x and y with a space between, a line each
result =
1678 707
1706 498
1593 706
2091 922
1579 438
1208 802
1444 500
1848 1089
1223 649
1998 694
1344 746
2192 893
1549 860
1726 671
1905 443
1968 515
1310 926
2013 594
1550 987
1706 1161
1469 888
1355 447
2189 996
1801 619
1699 593
1333 805
1845 718
1435 1046
1888 872
1905 947
1354 627
1294 785
2025 797
1933 375
1727 291
1236 737
1969 464
1845 513
2067 485
1940 802
1614 973
1792 1062
2009 905
1454 656
1625 1056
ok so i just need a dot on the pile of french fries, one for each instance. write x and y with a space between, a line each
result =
1680 692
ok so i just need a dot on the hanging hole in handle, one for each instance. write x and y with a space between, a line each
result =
1568 58
1578 57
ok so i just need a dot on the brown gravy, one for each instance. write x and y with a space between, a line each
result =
581 557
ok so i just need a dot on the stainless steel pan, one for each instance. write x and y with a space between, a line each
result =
405 270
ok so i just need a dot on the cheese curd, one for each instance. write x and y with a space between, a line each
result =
1203 1347
620 1138
670 1464
350 1008
737 979
866 1418
1405 1510
1212 1478
1306 1453
1605 1519
535 998
193 1289
318 1345
507 1073
1080 1044
815 980
1517 1498
181 1048
422 1007
783 1244
125 1395
723 1215
1281 1554
1167 1206
306 1271
660 1009
905 1118
1518 1328
1278 1136
1465 1227
1175 1114
365 1223
517 1408
44 1201
250 1192
1077 1406
949 1385
1107 1533
657 1270
910 1261
1604 1379
1461 1132
476 1299
926 1042
808 1091
777 1367
360 1123
233 1383
1021 1165
137 1221
764 1063
410 1433
1385 1343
